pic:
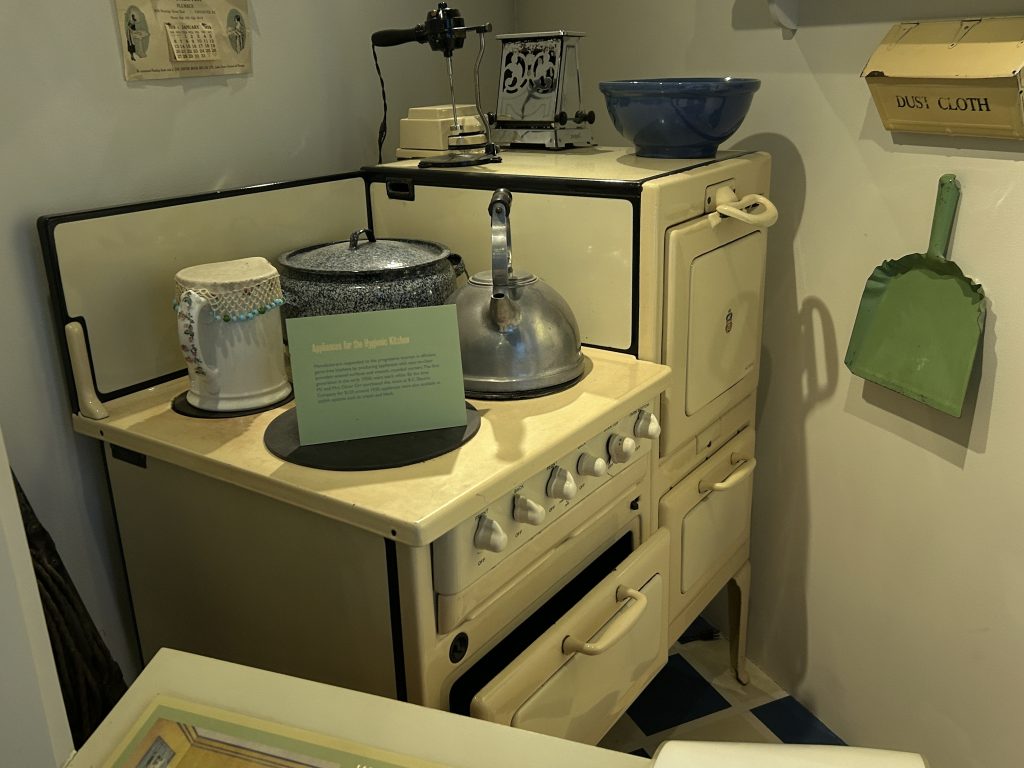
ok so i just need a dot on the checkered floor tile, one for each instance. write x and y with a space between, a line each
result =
696 697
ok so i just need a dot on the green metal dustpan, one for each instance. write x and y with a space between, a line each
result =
920 319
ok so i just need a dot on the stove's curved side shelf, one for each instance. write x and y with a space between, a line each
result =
89 403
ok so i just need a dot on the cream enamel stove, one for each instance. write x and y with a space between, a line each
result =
535 576
520 578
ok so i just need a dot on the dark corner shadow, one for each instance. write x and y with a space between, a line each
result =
781 516
948 437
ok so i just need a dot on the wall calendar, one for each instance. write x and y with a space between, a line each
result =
184 38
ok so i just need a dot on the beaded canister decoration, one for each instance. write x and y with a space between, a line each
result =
210 299
234 290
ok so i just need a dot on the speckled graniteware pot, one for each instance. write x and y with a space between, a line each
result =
362 276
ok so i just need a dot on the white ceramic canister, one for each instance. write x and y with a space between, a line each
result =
229 328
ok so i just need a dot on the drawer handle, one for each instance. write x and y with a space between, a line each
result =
619 629
747 464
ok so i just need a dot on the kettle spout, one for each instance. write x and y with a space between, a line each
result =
505 312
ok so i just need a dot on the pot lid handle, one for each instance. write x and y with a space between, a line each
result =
353 239
501 239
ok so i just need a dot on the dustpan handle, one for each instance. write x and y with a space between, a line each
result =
945 211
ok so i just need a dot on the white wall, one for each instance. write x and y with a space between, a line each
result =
76 136
888 577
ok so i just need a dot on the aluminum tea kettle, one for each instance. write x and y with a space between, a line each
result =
519 337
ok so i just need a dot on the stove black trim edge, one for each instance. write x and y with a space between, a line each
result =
395 604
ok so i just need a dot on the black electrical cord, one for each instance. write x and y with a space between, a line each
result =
382 131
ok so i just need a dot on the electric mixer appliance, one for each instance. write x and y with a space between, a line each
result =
467 136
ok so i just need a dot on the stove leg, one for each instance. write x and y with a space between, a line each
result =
739 598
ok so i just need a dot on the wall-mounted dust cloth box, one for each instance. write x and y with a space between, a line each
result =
960 77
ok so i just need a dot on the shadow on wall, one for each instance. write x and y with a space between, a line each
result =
753 14
799 370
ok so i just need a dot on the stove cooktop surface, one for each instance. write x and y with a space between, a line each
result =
414 504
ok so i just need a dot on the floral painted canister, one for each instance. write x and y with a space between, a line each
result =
229 329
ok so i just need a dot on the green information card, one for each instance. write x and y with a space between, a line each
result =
376 373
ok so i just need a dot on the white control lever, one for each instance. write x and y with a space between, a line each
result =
647 425
490 536
756 210
526 510
621 448
591 465
562 485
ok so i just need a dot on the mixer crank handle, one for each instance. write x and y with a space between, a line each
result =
388 37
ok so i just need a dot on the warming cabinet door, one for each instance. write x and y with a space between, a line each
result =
714 294
578 678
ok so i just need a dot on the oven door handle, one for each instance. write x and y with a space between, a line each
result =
756 210
747 464
617 630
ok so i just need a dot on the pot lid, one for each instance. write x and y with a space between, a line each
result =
358 257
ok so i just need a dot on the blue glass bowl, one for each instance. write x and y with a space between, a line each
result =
678 116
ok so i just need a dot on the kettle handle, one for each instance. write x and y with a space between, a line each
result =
501 239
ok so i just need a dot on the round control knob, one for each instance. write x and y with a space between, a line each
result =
561 484
647 425
489 535
594 466
528 511
621 448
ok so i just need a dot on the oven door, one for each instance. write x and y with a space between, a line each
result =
579 677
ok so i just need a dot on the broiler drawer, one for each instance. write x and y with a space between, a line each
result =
708 514
579 677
